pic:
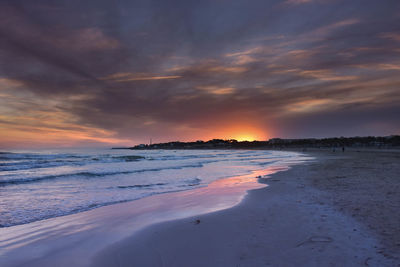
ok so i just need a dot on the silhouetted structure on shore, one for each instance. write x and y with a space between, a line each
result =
278 143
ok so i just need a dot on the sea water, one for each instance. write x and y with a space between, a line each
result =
36 185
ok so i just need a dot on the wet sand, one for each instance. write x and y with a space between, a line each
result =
341 210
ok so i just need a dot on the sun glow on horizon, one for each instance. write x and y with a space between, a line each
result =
245 133
245 138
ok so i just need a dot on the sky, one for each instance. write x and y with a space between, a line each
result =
114 73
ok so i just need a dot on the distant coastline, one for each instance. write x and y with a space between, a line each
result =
384 142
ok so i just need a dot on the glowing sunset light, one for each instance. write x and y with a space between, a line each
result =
243 132
245 138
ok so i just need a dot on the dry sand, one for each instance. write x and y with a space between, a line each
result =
365 186
341 210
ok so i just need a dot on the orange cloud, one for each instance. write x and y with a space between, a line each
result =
227 69
382 66
6 83
326 75
127 77
245 52
308 105
217 90
50 136
324 30
389 66
48 127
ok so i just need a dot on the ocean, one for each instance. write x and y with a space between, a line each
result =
36 185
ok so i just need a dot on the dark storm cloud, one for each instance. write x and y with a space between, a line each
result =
136 67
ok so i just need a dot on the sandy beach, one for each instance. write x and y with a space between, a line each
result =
340 210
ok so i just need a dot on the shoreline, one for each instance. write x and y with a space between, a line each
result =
50 241
304 218
176 172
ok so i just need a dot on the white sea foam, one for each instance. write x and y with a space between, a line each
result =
39 185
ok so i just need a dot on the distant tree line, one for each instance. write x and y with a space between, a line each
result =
370 141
